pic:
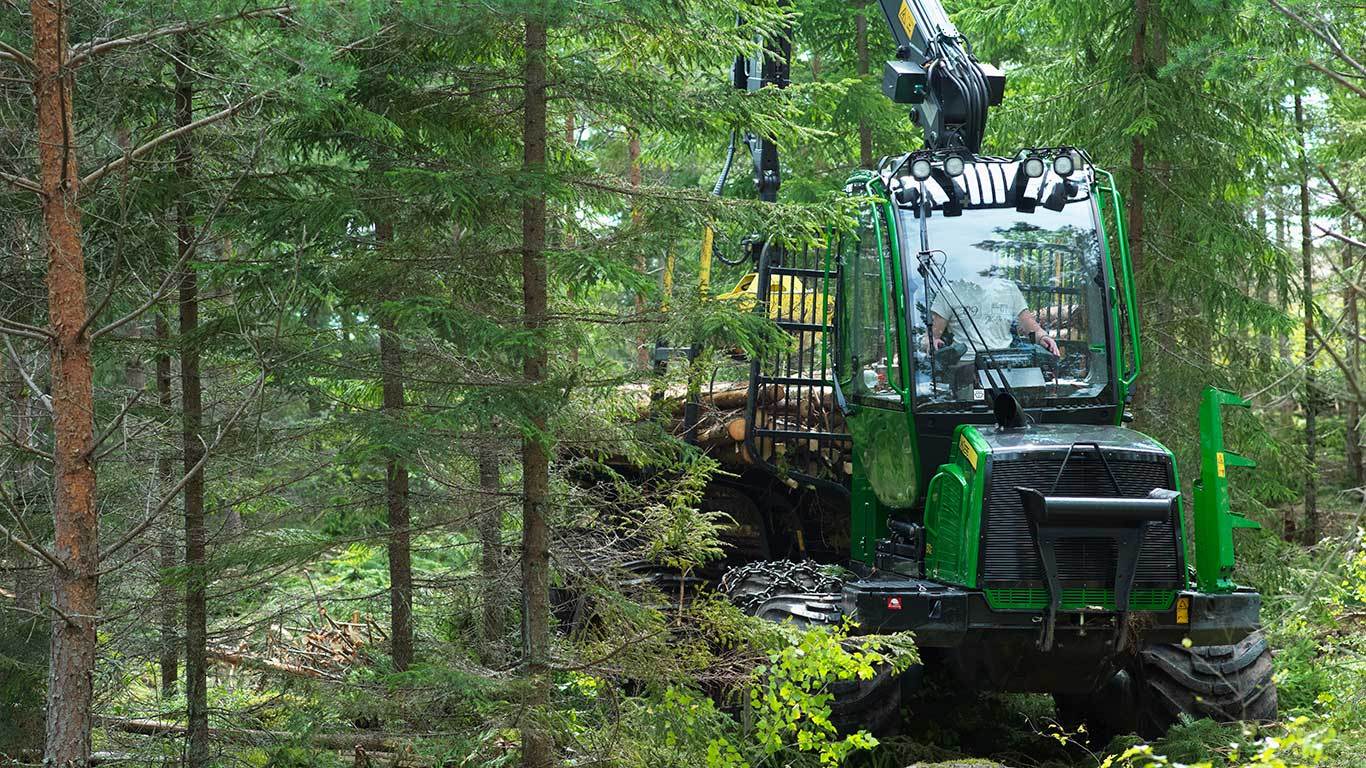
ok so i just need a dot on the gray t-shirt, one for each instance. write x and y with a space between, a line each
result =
992 303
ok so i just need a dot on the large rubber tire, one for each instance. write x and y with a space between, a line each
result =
1225 683
872 705
1097 717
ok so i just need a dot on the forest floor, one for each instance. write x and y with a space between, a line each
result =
322 620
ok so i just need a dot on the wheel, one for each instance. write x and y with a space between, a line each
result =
1097 717
872 705
1225 683
801 593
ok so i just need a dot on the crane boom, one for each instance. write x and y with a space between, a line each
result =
934 71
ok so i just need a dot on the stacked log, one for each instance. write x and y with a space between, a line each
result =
722 427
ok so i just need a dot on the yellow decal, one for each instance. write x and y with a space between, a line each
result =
1183 610
1219 459
966 449
907 20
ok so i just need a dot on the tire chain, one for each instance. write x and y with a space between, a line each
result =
749 585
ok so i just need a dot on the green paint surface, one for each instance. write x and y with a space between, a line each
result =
1214 516
885 448
953 510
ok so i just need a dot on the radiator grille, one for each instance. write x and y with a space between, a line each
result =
1078 598
1009 555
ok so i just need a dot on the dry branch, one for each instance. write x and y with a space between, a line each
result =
371 742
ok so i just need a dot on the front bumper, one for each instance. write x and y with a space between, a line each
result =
943 616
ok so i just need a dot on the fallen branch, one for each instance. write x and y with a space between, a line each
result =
259 662
371 742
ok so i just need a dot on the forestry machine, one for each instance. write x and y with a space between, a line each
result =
974 342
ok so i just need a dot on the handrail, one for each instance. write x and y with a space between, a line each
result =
1127 272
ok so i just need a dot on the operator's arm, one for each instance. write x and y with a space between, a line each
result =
935 338
1030 324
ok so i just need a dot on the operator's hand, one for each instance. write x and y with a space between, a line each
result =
1049 344
933 342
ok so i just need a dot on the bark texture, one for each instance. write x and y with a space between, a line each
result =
167 598
537 746
1310 403
1138 150
396 486
1355 469
75 517
192 427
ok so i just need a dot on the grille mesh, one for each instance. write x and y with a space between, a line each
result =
1009 556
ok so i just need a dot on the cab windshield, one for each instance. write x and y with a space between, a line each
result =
1006 298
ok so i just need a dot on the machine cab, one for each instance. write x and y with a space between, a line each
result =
972 276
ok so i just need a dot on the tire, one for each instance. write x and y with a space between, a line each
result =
872 705
1096 718
803 594
1225 683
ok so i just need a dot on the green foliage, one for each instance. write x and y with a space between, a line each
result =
23 673
1299 745
789 696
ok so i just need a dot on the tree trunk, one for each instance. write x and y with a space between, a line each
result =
396 486
75 593
491 553
568 228
1264 362
633 164
1283 267
1355 469
1311 476
166 546
865 129
1138 65
537 746
192 448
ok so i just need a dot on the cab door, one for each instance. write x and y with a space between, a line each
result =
872 375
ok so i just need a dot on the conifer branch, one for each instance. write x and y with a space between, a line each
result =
86 51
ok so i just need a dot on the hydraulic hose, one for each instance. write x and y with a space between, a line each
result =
725 168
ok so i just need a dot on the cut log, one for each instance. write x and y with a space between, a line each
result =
728 400
736 429
734 454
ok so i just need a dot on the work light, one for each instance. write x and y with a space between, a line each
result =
1063 165
954 165
920 169
1033 167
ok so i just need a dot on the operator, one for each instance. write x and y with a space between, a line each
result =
980 309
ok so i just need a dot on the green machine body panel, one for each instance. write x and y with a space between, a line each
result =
953 511
885 448
1214 517
884 474
958 532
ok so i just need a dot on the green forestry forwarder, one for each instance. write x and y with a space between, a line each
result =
978 338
